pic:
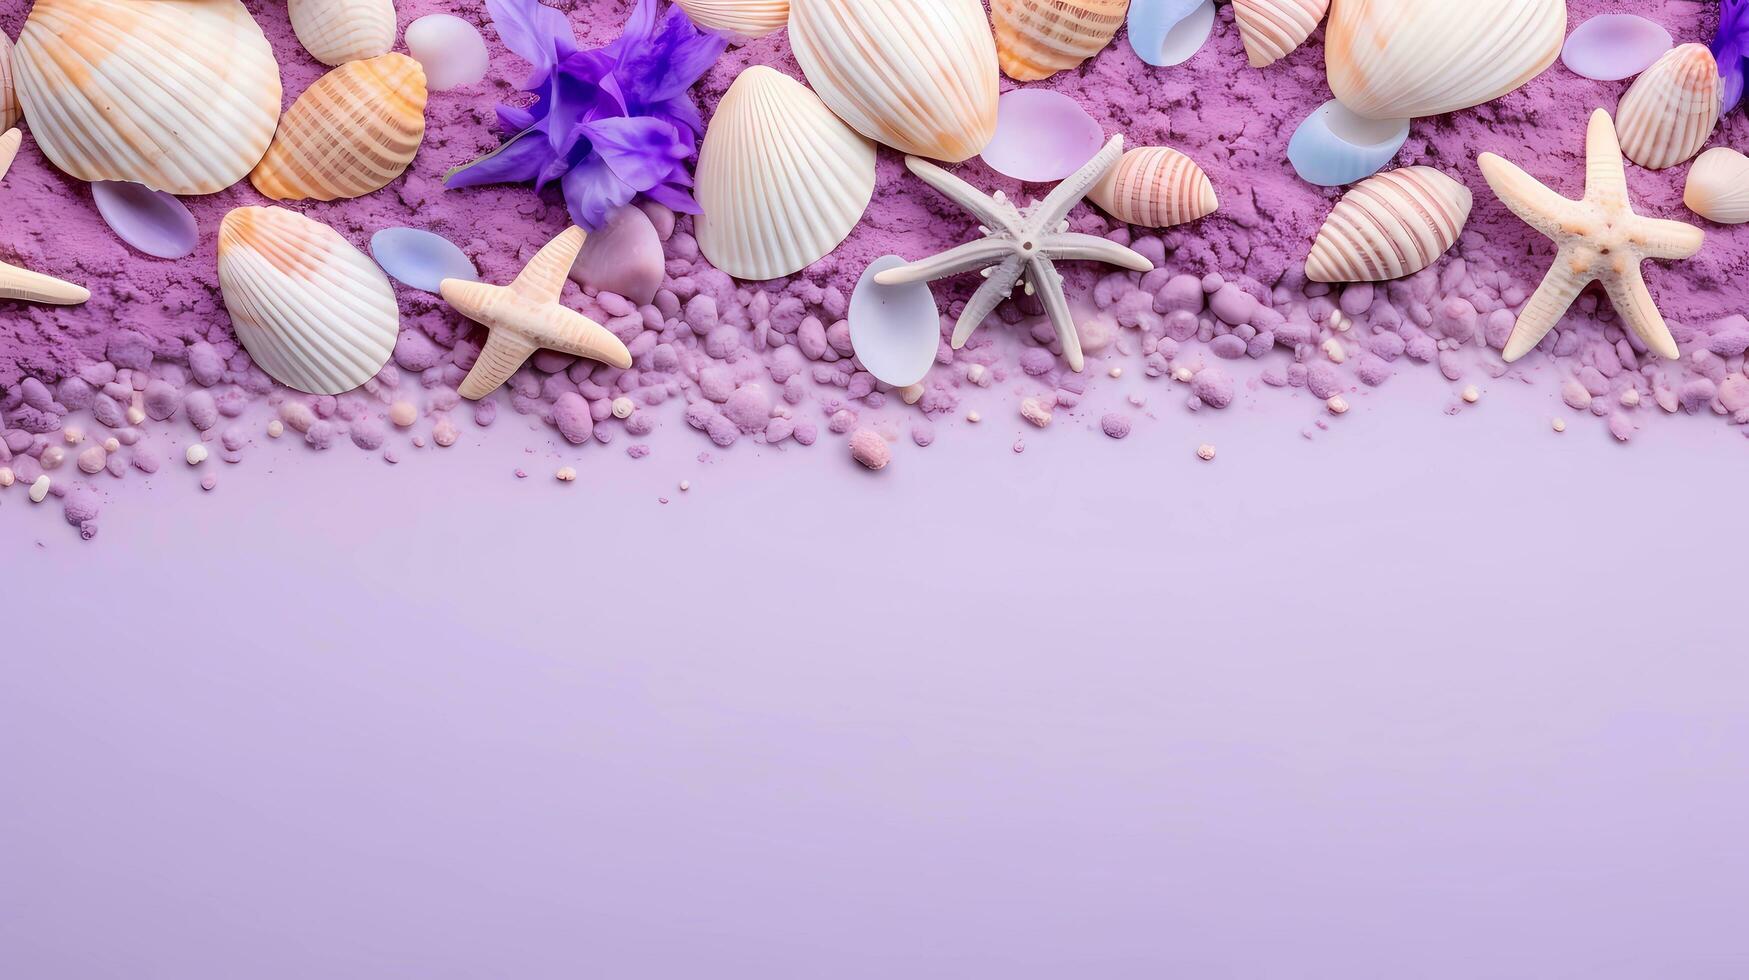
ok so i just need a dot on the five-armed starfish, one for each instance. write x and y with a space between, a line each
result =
1601 239
526 316
1020 247
16 283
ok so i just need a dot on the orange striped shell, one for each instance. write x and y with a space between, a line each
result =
1155 187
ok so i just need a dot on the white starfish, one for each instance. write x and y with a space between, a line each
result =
1600 238
1020 247
16 283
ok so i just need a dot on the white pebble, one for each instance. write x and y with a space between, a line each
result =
275 429
1183 374
1338 405
1116 372
1334 350
73 434
1630 398
685 485
1205 452
7 477
1472 394
196 454
136 415
566 474
39 489
449 49
975 374
623 407
973 416
52 457
913 394
112 444
1560 425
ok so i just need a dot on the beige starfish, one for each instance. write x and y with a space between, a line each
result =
1600 239
526 316
16 283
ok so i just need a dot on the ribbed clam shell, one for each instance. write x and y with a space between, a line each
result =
1272 29
917 75
313 312
738 18
1718 186
1155 187
1037 38
781 181
337 31
352 132
1672 109
1402 59
8 96
1390 226
180 96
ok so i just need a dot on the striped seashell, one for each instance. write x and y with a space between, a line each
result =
1718 186
1390 226
1672 109
1155 187
1035 39
918 75
745 19
8 96
315 313
337 31
1273 29
198 80
352 132
781 181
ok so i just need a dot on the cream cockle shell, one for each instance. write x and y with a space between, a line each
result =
1718 186
746 19
1401 59
1155 187
1273 29
1390 226
352 132
918 75
1672 109
315 313
197 80
337 31
8 96
1035 39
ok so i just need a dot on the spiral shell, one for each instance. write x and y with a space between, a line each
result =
1273 29
746 19
337 31
1155 187
1672 109
1035 39
352 132
1390 226
1718 186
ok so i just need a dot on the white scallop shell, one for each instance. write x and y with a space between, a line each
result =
1718 186
8 96
315 313
1037 38
180 96
337 31
746 19
1273 29
917 75
781 181
1672 109
1401 59
1155 187
1390 226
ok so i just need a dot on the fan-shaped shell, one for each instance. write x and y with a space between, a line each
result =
1672 109
352 132
1390 226
1718 186
1037 38
1155 187
312 311
1272 29
8 96
738 18
781 181
1401 59
337 31
180 96
917 75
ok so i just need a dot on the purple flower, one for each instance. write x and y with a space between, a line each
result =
608 124
1731 47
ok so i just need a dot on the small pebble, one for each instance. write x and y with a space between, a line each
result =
566 474
196 454
403 414
1034 411
52 457
92 460
7 477
685 485
1472 394
112 444
868 448
1560 425
1630 398
208 482
444 433
1114 425
973 416
39 489
73 434
1205 452
623 407
1338 405
275 429
913 394
136 415
1334 350
1116 372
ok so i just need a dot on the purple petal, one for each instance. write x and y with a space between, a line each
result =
592 190
518 161
538 33
674 198
641 152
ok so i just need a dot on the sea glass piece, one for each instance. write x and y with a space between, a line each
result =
1612 47
1165 33
895 330
419 258
152 221
1041 136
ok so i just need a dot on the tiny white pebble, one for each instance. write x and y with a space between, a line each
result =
685 485
1183 374
112 444
1334 350
136 415
91 460
1338 405
623 407
1034 411
912 394
1560 425
973 416
6 476
1630 398
1472 394
403 414
196 454
1205 452
1116 372
978 374
39 489
566 474
52 457
1340 322
275 429
74 435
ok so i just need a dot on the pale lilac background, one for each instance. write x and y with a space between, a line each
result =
1428 696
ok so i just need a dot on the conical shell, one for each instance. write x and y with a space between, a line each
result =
351 133
1155 187
180 96
1037 38
337 31
313 311
1672 109
781 181
917 75
8 96
1390 226
1718 186
747 19
1272 29
1401 59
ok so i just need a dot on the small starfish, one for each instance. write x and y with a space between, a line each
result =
1020 248
16 283
526 316
1600 238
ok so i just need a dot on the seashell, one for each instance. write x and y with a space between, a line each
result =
1671 110
744 19
315 313
449 49
781 181
8 96
152 221
1035 39
1402 59
1155 187
351 133
895 330
421 259
1718 186
1041 136
198 80
1611 47
1165 33
337 31
1334 147
1390 226
917 75
1273 29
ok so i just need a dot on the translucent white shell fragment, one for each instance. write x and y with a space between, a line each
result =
1165 33
1611 47
1335 147
1718 186
1672 109
1390 226
895 330
337 31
